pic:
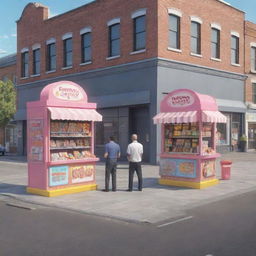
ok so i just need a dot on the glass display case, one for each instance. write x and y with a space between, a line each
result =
185 138
70 140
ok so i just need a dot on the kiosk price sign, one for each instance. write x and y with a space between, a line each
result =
188 149
61 141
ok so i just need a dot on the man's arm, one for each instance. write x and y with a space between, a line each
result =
119 152
106 151
128 153
141 151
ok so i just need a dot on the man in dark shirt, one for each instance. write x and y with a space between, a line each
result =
112 152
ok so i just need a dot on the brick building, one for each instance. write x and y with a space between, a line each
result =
250 87
8 68
132 55
8 135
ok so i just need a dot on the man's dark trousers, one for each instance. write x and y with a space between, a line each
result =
110 169
135 166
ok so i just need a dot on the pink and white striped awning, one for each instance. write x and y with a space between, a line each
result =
75 114
213 117
176 117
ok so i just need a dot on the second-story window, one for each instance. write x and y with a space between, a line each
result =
68 52
254 93
51 57
234 49
174 31
139 36
24 64
86 40
253 58
195 37
114 40
215 43
36 61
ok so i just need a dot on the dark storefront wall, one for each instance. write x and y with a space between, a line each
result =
115 123
122 123
116 90
140 125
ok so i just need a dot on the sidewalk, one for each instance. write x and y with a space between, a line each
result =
155 204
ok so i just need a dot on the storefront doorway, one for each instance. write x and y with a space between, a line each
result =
11 137
251 136
122 123
139 124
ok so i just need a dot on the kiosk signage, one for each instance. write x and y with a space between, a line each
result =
181 99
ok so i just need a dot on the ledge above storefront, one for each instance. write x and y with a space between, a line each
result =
231 105
20 115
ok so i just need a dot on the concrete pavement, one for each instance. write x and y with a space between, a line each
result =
155 204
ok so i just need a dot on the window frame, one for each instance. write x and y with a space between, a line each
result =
84 58
226 130
25 64
216 54
254 93
68 52
36 62
111 40
178 32
135 34
51 58
197 37
253 58
235 50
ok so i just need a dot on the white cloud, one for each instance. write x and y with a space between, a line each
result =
4 37
52 14
13 35
2 51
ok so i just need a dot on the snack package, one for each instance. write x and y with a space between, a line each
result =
55 156
52 143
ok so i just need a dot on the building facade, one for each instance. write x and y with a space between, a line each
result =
250 87
9 134
131 57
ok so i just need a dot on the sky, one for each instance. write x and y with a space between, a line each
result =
11 11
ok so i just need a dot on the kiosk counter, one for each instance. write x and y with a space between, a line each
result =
188 130
60 141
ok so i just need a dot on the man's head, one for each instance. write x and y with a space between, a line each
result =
111 138
134 137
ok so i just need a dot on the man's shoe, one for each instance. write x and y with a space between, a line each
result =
113 190
140 189
105 190
129 190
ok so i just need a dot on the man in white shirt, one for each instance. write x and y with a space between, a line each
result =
134 155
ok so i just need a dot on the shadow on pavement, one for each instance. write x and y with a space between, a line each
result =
153 183
6 188
13 158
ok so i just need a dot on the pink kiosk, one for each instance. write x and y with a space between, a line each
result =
60 138
188 151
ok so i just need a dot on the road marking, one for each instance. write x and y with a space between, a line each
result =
175 221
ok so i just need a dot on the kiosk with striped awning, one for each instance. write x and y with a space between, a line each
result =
188 146
60 142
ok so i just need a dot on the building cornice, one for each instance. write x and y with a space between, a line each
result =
200 69
162 62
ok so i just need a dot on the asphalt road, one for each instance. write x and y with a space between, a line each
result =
224 228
